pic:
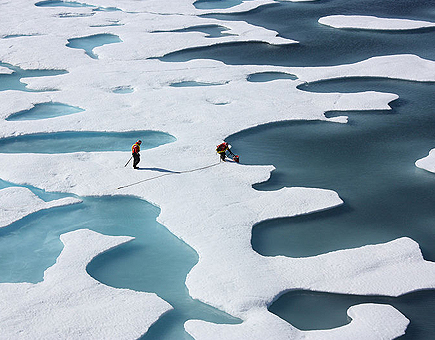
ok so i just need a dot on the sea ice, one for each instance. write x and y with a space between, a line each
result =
393 66
373 23
209 205
428 162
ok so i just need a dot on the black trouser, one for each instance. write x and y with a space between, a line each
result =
136 159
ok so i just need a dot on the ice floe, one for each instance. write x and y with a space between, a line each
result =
373 23
428 162
405 66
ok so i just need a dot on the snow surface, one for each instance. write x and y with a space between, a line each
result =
5 70
16 203
428 162
373 23
229 274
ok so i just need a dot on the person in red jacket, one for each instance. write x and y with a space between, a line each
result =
222 149
135 149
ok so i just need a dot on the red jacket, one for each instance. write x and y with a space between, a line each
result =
135 148
222 147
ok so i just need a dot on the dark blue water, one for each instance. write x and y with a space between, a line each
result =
311 310
321 45
262 77
76 141
369 161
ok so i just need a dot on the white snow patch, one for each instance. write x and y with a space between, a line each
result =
373 23
368 321
400 260
17 202
405 67
428 162
5 70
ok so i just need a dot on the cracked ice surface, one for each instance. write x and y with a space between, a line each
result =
212 210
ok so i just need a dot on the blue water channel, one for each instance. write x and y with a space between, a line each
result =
56 3
13 81
90 42
194 84
216 4
211 31
45 110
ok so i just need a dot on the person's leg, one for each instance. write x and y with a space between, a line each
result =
136 160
